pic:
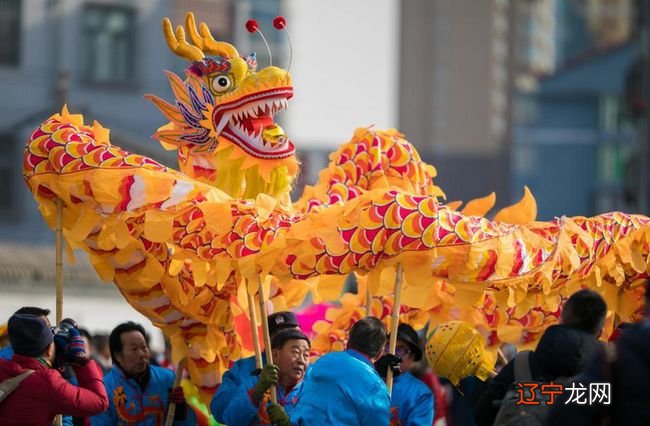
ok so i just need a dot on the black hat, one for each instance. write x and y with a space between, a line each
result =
406 333
281 320
29 335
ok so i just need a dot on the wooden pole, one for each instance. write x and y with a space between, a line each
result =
58 269
368 300
394 324
171 411
256 337
59 260
502 357
265 330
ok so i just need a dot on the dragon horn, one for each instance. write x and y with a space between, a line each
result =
205 41
178 44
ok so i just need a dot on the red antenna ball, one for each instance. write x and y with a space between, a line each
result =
251 25
279 23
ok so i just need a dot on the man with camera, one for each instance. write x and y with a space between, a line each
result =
139 392
7 352
41 392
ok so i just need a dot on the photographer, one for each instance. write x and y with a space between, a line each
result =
43 394
7 352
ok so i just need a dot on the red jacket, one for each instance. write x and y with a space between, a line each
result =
44 394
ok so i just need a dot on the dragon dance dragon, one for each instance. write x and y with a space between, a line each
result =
185 246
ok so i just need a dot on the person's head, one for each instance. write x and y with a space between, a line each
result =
368 336
291 355
102 349
33 310
87 338
129 346
279 321
585 310
408 346
30 335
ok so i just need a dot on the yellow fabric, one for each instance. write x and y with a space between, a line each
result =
180 244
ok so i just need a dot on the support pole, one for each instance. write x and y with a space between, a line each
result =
394 323
59 274
265 330
368 300
502 357
171 411
256 338
59 260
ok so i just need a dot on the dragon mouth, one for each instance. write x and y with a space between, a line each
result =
249 123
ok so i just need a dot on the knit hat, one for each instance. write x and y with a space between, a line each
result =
29 335
281 320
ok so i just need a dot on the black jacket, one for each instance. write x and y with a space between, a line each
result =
629 375
561 352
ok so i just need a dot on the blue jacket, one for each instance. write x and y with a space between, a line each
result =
7 352
239 373
129 405
412 400
343 388
242 410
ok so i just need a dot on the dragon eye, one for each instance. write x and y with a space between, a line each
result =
221 83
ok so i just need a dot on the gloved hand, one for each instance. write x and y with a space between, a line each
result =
386 361
75 352
269 377
61 340
177 396
60 343
277 415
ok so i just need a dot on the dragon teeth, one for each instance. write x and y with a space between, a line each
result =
224 120
255 110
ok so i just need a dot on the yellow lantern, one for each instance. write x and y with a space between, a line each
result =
455 350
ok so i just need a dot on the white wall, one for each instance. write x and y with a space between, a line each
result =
345 68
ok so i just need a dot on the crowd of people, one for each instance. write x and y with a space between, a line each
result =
46 371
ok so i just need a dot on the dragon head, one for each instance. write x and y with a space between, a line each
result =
223 121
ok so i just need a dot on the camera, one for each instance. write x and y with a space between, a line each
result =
62 331
62 339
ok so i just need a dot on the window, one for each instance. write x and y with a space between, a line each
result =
107 44
9 32
9 174
264 11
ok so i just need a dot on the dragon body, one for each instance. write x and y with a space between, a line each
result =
181 245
